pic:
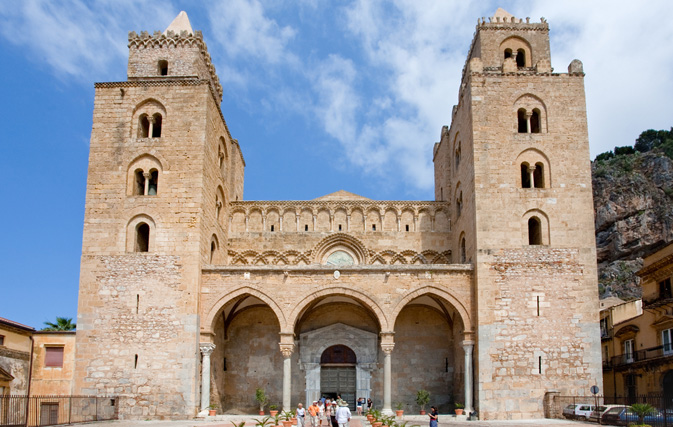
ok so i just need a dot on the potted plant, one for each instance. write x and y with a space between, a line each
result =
388 421
262 400
276 419
287 418
263 422
422 399
377 417
212 410
239 424
399 411
273 410
458 408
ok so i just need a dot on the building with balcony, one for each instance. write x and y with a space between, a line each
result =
637 336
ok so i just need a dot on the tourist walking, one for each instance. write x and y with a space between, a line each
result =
314 414
321 411
328 412
333 413
434 416
301 415
343 415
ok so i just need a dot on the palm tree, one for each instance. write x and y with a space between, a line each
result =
62 324
642 410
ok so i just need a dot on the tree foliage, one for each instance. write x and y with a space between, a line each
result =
62 324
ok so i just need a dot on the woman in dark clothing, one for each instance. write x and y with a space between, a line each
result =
369 404
434 416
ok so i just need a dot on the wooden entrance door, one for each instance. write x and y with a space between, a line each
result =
338 380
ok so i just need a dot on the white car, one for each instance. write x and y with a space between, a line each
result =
579 410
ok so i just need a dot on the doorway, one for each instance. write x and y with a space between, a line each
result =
338 381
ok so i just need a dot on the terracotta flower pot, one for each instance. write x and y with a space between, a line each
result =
294 421
399 413
422 412
458 411
370 418
273 413
377 424
212 412
287 423
261 412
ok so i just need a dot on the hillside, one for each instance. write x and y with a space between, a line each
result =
633 202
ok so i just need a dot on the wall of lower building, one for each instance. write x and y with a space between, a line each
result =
53 380
15 359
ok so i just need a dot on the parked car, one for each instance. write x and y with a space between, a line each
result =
622 415
600 410
579 410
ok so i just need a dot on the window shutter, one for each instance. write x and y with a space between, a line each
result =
54 356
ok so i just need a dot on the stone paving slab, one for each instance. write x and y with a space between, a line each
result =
444 421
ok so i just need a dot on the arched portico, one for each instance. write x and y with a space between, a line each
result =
434 320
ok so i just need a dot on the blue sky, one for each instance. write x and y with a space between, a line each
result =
322 95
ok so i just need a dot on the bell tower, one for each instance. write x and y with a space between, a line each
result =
163 168
515 162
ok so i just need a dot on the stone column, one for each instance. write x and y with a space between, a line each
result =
147 176
206 349
287 350
150 131
531 174
528 116
467 347
387 345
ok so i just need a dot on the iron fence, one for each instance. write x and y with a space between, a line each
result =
55 410
662 403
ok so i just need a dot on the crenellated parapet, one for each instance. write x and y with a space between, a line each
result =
171 39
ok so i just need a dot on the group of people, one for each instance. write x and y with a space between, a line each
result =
362 403
335 413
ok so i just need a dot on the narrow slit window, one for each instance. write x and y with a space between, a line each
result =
135 362
406 227
538 305
272 228
373 227
305 227
213 249
539 364
463 254
339 227
137 303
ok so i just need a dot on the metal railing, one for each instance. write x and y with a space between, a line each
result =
55 410
640 356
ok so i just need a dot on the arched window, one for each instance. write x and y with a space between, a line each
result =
153 185
143 126
534 231
139 187
218 207
520 58
538 175
459 204
463 256
156 125
525 175
213 250
508 53
142 237
522 122
163 67
535 121
457 156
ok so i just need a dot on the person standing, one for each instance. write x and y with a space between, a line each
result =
434 416
358 406
301 415
314 413
328 412
321 410
343 415
334 410
370 404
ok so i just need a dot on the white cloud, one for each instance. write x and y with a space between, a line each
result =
75 37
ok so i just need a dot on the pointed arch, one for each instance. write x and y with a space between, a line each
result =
208 324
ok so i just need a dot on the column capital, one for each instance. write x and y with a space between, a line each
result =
206 348
387 348
469 336
387 337
286 349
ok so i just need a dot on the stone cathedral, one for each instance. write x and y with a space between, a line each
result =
190 295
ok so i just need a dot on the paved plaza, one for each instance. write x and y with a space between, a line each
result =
444 420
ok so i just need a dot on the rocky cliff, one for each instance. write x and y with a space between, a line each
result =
633 202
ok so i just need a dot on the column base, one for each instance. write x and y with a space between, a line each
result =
202 414
387 411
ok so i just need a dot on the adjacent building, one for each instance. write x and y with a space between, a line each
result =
637 337
190 295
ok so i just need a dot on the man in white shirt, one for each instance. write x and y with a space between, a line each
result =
343 415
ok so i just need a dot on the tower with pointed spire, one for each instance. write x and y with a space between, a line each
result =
162 170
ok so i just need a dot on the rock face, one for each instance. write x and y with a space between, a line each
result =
633 201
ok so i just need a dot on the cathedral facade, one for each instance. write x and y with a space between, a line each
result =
191 296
